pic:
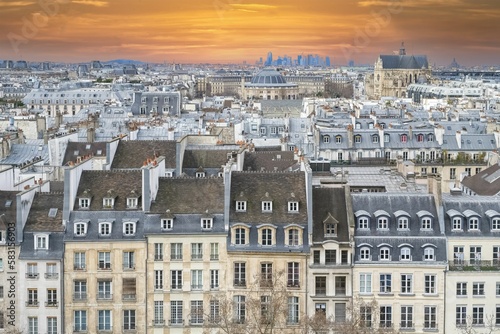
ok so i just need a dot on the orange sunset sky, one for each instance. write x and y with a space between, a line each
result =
232 31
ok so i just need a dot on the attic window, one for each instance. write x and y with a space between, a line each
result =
108 202
241 206
80 229
84 202
41 241
76 152
99 152
207 223
104 229
267 206
129 228
167 224
132 203
200 174
52 212
8 203
87 147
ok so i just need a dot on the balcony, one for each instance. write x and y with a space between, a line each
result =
430 326
104 329
240 283
158 287
79 267
293 284
51 275
214 287
32 275
32 303
104 266
176 257
80 296
128 297
158 257
176 322
196 321
176 287
196 257
214 257
104 296
51 303
129 328
195 287
158 323
406 325
475 265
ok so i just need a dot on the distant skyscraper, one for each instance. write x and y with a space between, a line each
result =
327 61
269 60
351 63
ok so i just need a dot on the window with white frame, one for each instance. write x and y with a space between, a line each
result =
196 251
79 261
108 202
214 279
293 274
196 279
357 139
80 229
129 228
426 224
385 283
266 237
128 260
338 139
385 254
461 288
430 284
495 224
330 230
240 236
363 223
375 139
239 274
104 320
84 203
167 224
293 237
207 223
429 254
158 279
457 223
104 229
129 320
158 313
383 223
241 206
430 316
326 139
176 251
365 283
214 251
104 260
473 223
176 279
267 206
293 206
214 315
477 315
461 315
293 310
41 241
104 289
406 317
478 288
405 254
365 254
403 223
239 309
132 203
406 283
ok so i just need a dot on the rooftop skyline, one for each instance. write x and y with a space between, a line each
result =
233 31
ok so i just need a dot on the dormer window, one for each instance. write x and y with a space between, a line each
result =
426 224
80 229
84 203
207 223
425 220
420 138
167 224
357 139
293 206
403 223
105 229
267 206
41 241
473 223
405 254
429 254
326 139
365 254
382 223
129 228
385 254
404 138
375 139
330 226
132 202
430 137
108 202
457 223
387 138
200 174
494 217
241 206
363 219
338 139
293 236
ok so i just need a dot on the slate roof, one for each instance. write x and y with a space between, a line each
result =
183 195
205 158
80 149
486 182
278 187
55 249
479 205
404 62
470 142
269 161
132 154
330 201
7 208
98 183
185 224
46 213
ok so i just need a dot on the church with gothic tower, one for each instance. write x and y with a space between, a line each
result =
393 73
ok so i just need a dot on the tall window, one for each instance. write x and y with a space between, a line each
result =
196 251
320 285
158 313
239 309
293 237
214 316
430 317
266 274
158 279
158 251
80 320
293 274
176 251
478 288
366 316
51 325
51 297
176 279
214 251
475 254
80 290
385 283
104 289
293 310
128 260
176 312
196 312
32 325
406 283
79 261
458 254
104 260
461 315
239 274
365 283
32 297
477 315
214 279
104 320
462 289
385 316
196 279
430 284
406 316
128 319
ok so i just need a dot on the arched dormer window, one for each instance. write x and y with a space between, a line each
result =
363 219
430 137
404 138
494 218
426 219
403 219
420 137
472 220
384 254
357 139
382 219
456 220
338 139
365 252
240 234
375 139
326 139
429 252
387 138
405 254
267 235
293 235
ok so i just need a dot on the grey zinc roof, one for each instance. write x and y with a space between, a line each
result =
330 201
185 224
474 142
55 250
273 186
414 204
21 153
470 206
